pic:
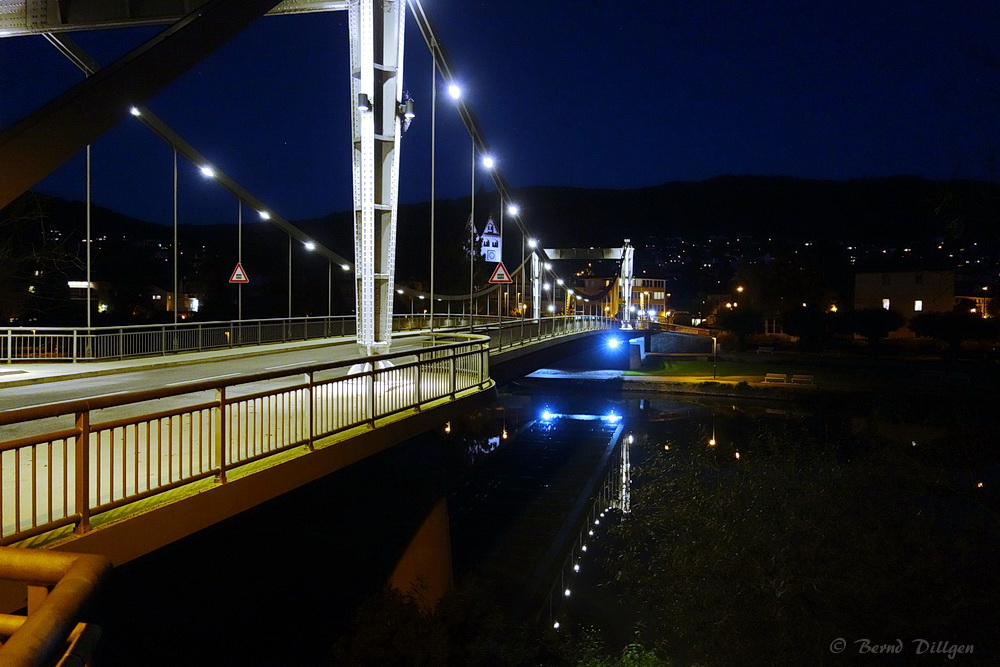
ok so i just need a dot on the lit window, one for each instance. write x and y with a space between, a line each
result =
918 305
885 303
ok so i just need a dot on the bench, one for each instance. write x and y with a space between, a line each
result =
802 379
765 350
775 377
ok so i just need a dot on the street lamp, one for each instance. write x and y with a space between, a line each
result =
488 163
715 347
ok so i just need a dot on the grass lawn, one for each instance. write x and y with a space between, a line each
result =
846 374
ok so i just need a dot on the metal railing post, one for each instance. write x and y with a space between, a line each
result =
420 365
311 398
82 472
371 398
454 372
220 434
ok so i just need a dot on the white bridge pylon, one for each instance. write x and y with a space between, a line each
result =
626 274
376 29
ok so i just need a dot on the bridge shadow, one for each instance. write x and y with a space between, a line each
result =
274 585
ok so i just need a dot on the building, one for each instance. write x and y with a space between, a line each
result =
491 247
912 292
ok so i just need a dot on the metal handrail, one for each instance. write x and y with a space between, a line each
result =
68 344
50 630
65 473
66 476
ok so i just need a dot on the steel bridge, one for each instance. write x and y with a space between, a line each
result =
123 473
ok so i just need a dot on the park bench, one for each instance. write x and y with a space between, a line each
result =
775 377
765 350
802 379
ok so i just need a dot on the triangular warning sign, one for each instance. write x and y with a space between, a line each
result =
500 274
239 275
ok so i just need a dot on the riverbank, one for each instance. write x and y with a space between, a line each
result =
785 377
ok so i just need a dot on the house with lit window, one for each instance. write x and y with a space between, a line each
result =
648 301
912 292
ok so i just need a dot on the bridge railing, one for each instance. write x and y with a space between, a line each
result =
66 463
59 344
59 584
512 332
104 343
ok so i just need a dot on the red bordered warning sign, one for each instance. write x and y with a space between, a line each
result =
239 275
500 275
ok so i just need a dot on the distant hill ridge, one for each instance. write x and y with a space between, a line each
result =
899 209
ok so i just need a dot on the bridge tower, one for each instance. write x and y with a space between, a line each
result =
536 285
625 255
627 278
376 29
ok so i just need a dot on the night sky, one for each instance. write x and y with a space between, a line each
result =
589 94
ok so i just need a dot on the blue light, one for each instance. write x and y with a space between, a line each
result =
613 343
613 418
546 415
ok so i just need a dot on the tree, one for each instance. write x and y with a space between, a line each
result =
953 328
812 326
32 265
873 324
740 321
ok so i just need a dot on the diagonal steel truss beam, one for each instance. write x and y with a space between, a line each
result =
33 147
89 66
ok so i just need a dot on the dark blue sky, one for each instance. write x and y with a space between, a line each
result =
591 94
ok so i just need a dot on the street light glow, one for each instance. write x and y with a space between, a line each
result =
454 91
532 243
488 162
264 215
207 171
514 210
309 245
135 111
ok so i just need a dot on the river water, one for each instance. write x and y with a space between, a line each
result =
532 483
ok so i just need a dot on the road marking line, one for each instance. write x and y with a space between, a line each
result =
214 377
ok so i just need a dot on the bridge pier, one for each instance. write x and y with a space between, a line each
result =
425 569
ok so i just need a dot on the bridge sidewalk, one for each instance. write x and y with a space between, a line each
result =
22 374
